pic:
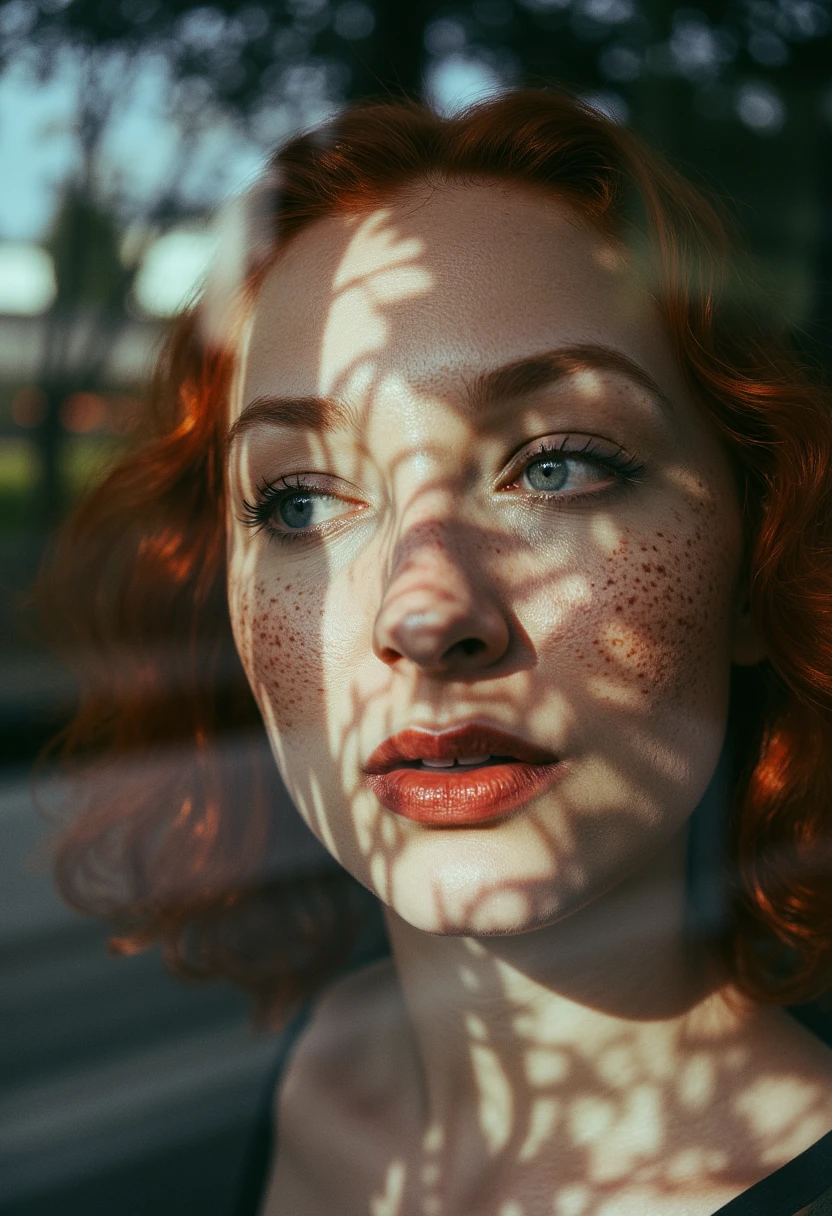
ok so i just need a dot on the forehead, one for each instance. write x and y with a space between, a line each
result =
437 284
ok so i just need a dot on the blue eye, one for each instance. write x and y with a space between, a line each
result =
292 509
547 474
297 510
561 471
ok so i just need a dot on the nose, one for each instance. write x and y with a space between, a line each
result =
436 615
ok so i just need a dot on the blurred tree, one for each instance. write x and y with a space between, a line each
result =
739 92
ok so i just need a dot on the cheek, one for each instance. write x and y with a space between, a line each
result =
654 627
278 631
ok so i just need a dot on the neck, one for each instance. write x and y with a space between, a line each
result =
526 1022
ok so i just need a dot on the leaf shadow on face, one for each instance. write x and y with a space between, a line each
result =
628 1112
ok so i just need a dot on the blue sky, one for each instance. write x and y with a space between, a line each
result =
143 150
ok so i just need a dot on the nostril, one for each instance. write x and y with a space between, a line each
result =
467 646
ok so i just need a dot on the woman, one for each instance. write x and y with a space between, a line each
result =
520 525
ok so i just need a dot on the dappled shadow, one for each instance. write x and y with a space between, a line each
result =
552 1039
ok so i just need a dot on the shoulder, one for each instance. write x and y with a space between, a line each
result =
338 1109
786 1097
352 1060
350 1032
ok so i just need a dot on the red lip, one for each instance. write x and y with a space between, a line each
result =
516 772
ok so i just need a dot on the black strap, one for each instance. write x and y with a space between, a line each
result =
789 1189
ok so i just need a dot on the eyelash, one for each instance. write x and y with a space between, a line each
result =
627 470
258 514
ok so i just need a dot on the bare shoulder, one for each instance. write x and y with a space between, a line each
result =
350 1036
354 1064
338 1109
787 1095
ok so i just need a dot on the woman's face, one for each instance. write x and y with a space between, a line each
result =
484 556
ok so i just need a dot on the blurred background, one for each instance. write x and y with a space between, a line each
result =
123 124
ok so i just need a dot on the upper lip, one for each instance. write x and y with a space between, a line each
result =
469 739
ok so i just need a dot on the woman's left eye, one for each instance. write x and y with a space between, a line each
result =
552 473
573 465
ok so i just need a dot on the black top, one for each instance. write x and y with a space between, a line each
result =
801 1187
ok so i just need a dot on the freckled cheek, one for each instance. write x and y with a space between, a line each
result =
279 627
655 618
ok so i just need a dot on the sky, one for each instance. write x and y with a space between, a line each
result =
142 154
38 148
38 151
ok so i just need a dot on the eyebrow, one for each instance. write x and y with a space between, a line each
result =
487 390
525 376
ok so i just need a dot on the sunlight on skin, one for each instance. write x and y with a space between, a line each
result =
469 979
606 534
691 1163
496 1100
574 1068
543 1120
641 1125
434 1138
546 1067
476 1027
552 603
377 271
313 808
379 872
572 1201
772 1105
697 1081
390 1203
589 1118
617 1066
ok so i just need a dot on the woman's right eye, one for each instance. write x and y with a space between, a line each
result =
295 509
303 509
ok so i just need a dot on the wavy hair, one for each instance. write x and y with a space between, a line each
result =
172 831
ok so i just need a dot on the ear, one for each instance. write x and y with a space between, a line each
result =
746 644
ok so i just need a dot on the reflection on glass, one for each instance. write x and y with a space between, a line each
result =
475 508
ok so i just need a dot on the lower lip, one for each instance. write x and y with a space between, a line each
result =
456 798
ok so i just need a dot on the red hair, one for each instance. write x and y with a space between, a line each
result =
179 848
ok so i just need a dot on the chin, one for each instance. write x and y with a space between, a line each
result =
500 908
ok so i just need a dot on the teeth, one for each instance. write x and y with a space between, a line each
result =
470 760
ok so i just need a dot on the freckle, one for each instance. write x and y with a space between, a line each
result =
631 600
288 587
